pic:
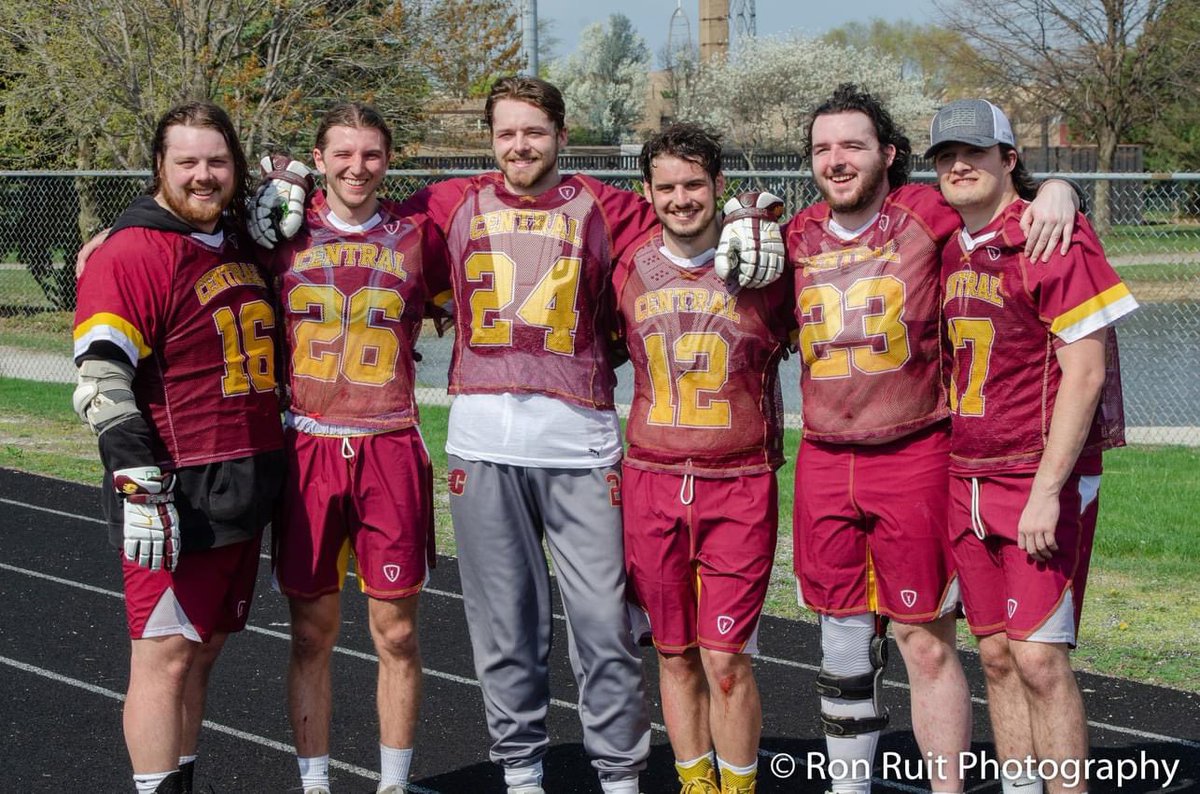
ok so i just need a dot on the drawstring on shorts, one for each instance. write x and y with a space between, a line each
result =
976 519
687 490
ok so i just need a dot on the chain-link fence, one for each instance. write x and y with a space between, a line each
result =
1153 240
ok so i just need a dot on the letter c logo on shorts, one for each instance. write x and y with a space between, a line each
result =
391 571
1012 607
456 480
909 597
724 624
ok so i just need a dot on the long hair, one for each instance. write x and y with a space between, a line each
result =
207 115
848 98
531 90
357 115
1022 180
687 142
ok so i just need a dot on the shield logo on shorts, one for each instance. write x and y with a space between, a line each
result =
1012 606
567 192
392 572
456 481
724 624
909 597
241 608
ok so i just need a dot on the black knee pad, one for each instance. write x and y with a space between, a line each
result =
864 686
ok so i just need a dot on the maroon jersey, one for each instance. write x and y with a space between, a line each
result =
352 304
705 356
197 324
870 327
1005 317
531 277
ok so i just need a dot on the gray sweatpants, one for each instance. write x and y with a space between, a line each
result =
501 514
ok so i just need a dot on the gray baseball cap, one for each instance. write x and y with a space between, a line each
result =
974 121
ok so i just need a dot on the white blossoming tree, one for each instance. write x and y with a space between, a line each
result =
761 100
605 80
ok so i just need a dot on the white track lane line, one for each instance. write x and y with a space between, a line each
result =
562 703
262 741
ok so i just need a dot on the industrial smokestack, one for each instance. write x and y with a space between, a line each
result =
714 28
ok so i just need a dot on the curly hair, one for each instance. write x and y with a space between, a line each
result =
849 99
687 142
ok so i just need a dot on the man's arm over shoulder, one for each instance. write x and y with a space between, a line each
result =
438 202
629 216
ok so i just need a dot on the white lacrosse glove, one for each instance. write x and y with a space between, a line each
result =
277 209
751 245
151 520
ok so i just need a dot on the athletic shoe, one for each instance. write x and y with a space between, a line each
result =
738 784
526 790
700 785
395 788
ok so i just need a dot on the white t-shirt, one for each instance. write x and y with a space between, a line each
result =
532 430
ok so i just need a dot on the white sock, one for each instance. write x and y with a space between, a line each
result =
709 756
858 752
737 770
626 785
515 776
1021 784
393 765
146 784
314 771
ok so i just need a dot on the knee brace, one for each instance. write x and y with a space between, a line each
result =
846 675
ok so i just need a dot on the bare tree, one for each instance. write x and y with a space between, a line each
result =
468 43
939 58
83 83
1101 64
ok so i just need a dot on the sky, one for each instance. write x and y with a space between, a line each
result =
652 18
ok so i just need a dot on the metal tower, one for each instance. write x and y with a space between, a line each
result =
679 36
741 14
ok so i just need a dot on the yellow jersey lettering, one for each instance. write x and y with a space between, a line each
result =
222 277
539 222
369 255
888 253
691 300
978 286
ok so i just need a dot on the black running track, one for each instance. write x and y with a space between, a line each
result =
64 660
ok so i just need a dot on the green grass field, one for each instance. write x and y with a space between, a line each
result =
1142 613
1167 273
1152 238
